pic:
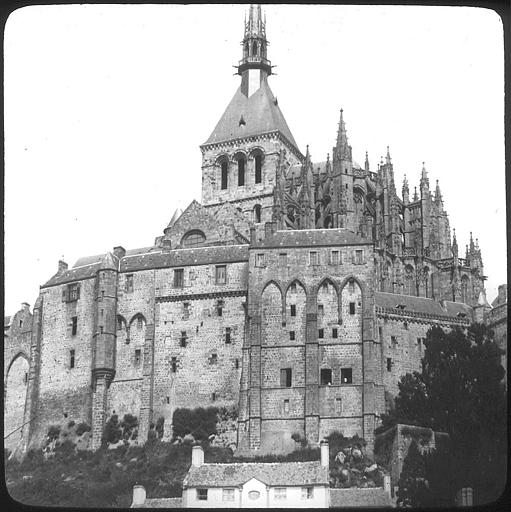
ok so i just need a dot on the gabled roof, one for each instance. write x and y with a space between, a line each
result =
312 237
260 112
421 305
274 473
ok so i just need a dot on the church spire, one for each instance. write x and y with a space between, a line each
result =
366 163
255 43
342 148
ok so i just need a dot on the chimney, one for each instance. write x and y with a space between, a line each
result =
25 306
252 234
119 252
166 244
62 266
386 486
197 456
325 455
138 496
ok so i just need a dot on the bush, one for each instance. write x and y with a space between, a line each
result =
53 432
129 424
200 422
82 428
71 424
160 424
112 432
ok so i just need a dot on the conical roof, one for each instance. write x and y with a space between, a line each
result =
247 116
176 216
108 263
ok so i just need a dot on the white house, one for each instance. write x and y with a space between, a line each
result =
257 484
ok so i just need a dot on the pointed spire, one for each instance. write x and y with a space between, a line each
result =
454 246
328 167
415 195
366 163
387 158
255 21
424 177
342 147
254 43
471 243
405 191
438 195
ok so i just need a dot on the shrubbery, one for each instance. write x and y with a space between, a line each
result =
199 422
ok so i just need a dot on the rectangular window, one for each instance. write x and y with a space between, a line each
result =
219 307
393 340
186 310
334 332
220 274
321 333
283 259
260 260
213 397
389 364
285 377
140 323
326 376
74 325
227 335
292 335
227 494
129 283
179 278
286 406
359 257
223 184
182 339
314 259
280 493
338 406
334 258
241 172
74 291
236 363
346 376
351 286
213 359
173 365
380 333
293 309
292 288
202 494
419 343
352 308
307 493
258 160
71 358
25 378
321 310
138 355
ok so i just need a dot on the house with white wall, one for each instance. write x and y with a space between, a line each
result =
256 484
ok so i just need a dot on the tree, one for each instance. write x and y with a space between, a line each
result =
460 390
413 488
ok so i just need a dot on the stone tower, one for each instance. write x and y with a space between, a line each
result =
240 157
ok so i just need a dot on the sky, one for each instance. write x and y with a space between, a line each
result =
106 106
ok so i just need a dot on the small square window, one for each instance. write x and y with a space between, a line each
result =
280 493
74 325
129 283
179 278
293 309
292 335
352 308
286 406
227 494
334 332
314 258
227 335
334 258
138 355
220 274
321 333
326 376
214 358
346 376
202 494
389 364
307 493
359 257
286 377
260 260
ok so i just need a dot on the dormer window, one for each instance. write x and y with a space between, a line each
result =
194 238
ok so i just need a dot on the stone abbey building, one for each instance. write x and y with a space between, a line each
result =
298 291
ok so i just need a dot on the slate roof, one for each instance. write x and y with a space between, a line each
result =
317 168
161 503
274 473
153 257
359 497
260 112
421 305
311 237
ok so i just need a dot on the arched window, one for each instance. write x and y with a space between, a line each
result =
224 179
257 213
241 171
258 168
246 50
193 238
464 290
254 49
425 276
